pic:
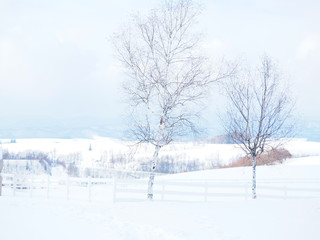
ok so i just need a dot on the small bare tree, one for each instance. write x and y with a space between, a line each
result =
167 77
259 111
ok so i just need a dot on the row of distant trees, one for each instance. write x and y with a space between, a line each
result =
168 78
109 160
47 160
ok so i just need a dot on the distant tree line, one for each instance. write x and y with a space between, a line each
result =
109 160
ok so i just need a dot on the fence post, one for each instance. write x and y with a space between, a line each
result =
246 186
206 191
285 191
31 185
0 184
68 186
89 187
163 190
1 167
14 184
48 186
114 189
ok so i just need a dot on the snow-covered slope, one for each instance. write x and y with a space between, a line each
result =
23 217
97 152
52 219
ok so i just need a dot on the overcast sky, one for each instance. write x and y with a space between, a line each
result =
57 63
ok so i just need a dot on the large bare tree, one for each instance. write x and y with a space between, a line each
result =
259 111
167 76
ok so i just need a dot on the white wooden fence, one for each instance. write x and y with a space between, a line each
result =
185 190
212 190
53 187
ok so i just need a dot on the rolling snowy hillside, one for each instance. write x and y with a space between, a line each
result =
36 218
102 153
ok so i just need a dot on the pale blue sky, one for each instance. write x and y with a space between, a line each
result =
57 63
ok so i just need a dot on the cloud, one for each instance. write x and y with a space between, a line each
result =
309 46
213 47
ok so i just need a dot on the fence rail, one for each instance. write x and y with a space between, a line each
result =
53 187
211 190
186 190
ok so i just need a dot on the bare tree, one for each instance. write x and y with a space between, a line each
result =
167 77
259 111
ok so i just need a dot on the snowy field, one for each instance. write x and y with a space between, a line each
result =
210 155
260 219
288 204
40 218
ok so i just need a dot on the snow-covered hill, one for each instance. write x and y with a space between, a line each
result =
53 219
111 153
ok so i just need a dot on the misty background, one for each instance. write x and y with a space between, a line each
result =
59 77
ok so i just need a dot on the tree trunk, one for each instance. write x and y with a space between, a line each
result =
151 177
254 182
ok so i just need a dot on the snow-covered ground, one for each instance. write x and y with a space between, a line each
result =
25 217
52 219
245 220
